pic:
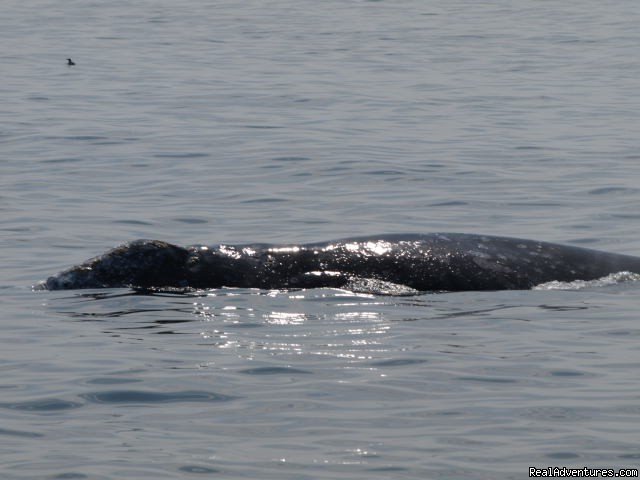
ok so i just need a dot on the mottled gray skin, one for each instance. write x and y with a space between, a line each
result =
432 262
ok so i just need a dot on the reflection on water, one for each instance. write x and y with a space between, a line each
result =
285 318
329 370
298 328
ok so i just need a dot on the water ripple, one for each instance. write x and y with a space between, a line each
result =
19 433
42 405
398 362
274 371
141 396
197 469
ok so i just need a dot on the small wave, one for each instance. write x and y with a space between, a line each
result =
42 405
612 279
140 396
274 371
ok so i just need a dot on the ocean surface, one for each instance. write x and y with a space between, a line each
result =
299 121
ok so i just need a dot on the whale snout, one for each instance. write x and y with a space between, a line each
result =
139 263
77 277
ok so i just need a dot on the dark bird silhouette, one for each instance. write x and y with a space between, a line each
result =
70 62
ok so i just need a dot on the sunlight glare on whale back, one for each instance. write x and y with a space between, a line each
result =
284 249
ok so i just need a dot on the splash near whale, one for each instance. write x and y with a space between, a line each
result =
430 262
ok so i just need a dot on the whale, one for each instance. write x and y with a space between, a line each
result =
436 262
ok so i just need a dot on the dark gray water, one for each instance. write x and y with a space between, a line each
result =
200 122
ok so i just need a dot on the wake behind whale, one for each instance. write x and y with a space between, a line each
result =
430 262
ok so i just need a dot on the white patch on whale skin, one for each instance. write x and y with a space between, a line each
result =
486 261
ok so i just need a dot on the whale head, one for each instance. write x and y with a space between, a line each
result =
142 263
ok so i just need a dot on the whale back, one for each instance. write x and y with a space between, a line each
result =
458 261
430 262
